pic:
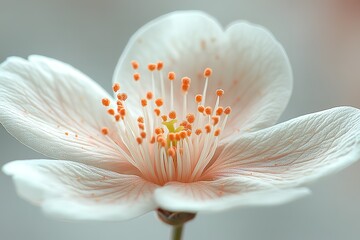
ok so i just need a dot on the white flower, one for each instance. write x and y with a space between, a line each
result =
114 165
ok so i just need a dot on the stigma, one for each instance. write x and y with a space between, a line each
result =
171 140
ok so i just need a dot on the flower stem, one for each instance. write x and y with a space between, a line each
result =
177 232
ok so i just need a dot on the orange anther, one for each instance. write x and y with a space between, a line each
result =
227 110
172 115
139 140
198 98
164 118
171 76
119 108
116 87
171 152
119 103
186 81
157 111
171 136
188 132
149 95
207 128
105 102
219 111
207 72
140 119
201 108
143 102
104 130
136 76
159 102
143 134
177 136
152 140
185 88
217 132
163 143
219 92
183 134
159 65
124 96
215 120
198 131
122 112
134 64
111 111
158 131
152 67
208 110
190 118
117 117
66 133
141 126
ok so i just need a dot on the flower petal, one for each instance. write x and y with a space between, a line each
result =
71 190
295 152
222 194
56 110
247 62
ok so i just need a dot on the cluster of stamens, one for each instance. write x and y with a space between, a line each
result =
158 138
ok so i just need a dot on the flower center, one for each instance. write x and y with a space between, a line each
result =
164 145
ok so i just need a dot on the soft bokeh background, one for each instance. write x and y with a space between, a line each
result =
322 39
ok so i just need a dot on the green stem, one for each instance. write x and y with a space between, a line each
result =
177 232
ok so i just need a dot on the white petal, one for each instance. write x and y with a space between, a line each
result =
222 194
297 151
71 190
247 62
56 110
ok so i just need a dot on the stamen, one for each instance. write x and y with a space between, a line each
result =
106 102
215 120
159 65
136 76
208 110
171 77
201 109
139 140
198 131
104 131
219 92
207 128
117 117
171 152
207 74
172 115
219 111
134 64
217 132
140 119
143 102
227 110
111 111
151 67
159 102
198 98
164 118
116 87
143 134
157 111
190 118
149 95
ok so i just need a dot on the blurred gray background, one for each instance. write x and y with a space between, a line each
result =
322 39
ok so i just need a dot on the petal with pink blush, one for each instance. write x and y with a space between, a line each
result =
56 110
71 190
222 194
294 152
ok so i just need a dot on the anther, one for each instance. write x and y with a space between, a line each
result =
158 131
117 117
134 64
149 95
123 112
217 132
139 140
186 81
143 102
219 111
157 111
171 152
111 111
171 136
152 140
219 92
124 96
136 76
140 119
164 118
198 98
190 118
171 76
159 102
201 108
141 126
215 120
143 134
185 88
227 110
105 102
151 67
183 134
104 131
188 132
207 128
159 65
116 87
208 110
177 136
172 115
66 133
207 72
198 131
